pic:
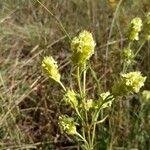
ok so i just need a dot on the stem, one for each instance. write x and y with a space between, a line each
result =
78 80
84 80
89 139
93 133
139 49
62 86
80 90
94 120
86 114
81 137
84 90
76 109
124 67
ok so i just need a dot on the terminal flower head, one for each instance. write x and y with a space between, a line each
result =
67 124
49 65
129 83
82 47
133 81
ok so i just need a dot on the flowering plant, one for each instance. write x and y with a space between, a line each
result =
87 110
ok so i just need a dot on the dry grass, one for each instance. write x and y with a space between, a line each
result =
30 103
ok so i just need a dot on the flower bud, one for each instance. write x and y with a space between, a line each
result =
146 95
82 47
89 104
134 29
71 99
67 125
50 67
127 56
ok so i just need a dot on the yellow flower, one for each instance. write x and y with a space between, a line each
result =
50 67
129 83
135 28
89 104
127 55
70 98
82 47
67 124
146 95
133 81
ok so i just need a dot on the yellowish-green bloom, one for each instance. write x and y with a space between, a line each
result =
82 47
127 56
133 81
71 98
135 28
50 67
146 95
67 125
129 83
89 103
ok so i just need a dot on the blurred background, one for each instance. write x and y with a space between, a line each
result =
30 103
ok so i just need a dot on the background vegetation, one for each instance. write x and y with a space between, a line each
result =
30 103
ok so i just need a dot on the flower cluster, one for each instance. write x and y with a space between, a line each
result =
133 81
71 99
67 124
146 95
127 56
135 28
89 104
50 67
129 83
82 47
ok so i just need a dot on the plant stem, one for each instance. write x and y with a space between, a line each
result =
62 86
78 80
93 134
86 113
85 141
84 80
139 48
